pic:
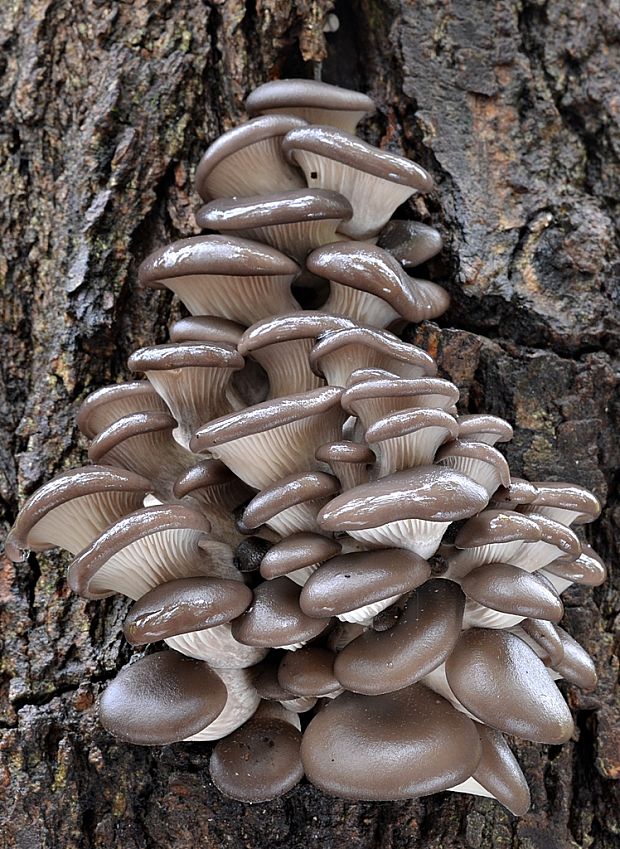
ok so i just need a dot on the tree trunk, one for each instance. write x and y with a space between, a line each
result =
514 107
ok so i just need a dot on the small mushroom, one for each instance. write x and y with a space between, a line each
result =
374 181
290 505
542 636
409 438
478 460
162 698
410 242
511 590
576 665
349 461
518 491
564 502
110 403
225 276
211 483
309 672
248 160
298 556
482 427
73 508
314 101
588 569
206 328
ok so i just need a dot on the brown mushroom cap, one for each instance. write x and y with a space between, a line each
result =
212 482
206 328
161 699
314 101
297 551
310 489
285 328
503 683
588 569
410 242
277 209
259 761
509 589
499 772
248 160
349 581
576 665
518 491
395 746
275 617
73 508
482 427
308 672
422 638
564 502
183 606
408 438
497 526
103 407
373 398
349 461
478 460
545 637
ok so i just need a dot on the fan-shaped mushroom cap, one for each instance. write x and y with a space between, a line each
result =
248 160
301 551
314 101
206 328
184 606
509 589
275 438
192 377
395 746
222 275
308 672
557 544
542 636
161 699
374 181
565 502
576 665
369 286
110 403
357 586
372 399
146 548
518 491
349 461
410 242
503 683
588 569
212 483
143 443
409 509
259 761
336 355
408 438
275 618
282 346
478 460
294 222
291 504
73 508
482 427
265 677
422 638
499 772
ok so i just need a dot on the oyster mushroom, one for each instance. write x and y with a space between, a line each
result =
206 328
482 427
409 438
290 505
410 242
349 461
478 460
110 403
298 556
309 672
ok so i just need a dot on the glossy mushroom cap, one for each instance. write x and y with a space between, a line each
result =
110 403
509 589
409 438
295 552
564 502
395 746
308 672
478 460
291 504
161 699
248 160
206 328
211 482
482 427
349 461
374 397
410 242
314 101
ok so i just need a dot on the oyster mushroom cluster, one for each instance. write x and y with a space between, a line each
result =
278 496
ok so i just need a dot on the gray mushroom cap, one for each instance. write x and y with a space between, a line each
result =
497 677
275 617
564 502
247 160
106 405
410 242
349 461
483 427
395 746
372 398
314 101
297 489
576 665
161 699
308 672
478 460
422 638
183 606
588 569
497 526
350 581
297 551
308 324
509 589
277 209
500 774
547 642
206 328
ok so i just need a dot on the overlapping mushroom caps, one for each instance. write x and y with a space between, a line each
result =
286 536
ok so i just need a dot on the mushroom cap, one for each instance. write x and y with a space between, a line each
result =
558 535
499 772
496 526
588 569
349 581
296 552
215 255
483 427
497 677
206 328
308 672
288 492
243 136
274 209
203 475
466 456
576 665
264 416
518 491
126 427
352 151
422 638
162 698
284 328
363 266
547 642
426 492
410 242
569 497
106 405
345 451
509 589
293 94
395 746
412 391
259 761
93 482
403 422
173 355
183 606
275 617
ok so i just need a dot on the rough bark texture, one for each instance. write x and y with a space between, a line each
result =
514 108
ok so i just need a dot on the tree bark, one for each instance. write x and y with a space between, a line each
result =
514 108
